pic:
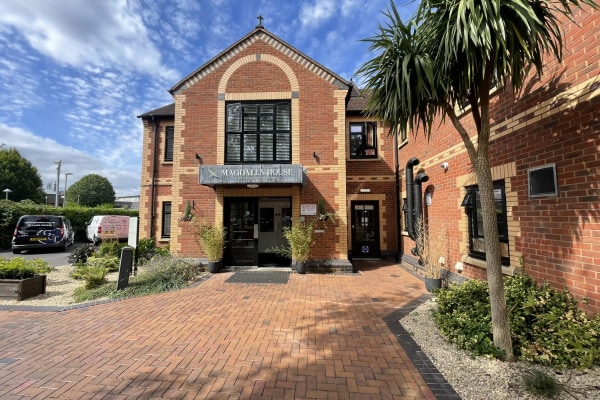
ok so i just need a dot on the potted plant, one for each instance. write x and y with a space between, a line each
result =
211 238
299 238
431 249
21 279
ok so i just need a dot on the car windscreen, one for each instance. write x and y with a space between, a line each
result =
40 223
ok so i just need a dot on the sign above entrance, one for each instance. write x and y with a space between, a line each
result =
212 175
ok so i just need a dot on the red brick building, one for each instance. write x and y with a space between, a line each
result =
262 136
545 153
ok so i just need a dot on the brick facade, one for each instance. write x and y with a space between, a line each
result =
262 67
554 121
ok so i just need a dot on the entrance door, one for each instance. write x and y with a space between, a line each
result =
365 229
275 214
242 231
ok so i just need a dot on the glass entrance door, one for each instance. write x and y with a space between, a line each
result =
365 229
242 232
275 214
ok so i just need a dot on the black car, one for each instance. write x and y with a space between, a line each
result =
41 232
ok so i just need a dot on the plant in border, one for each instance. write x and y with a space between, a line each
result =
20 268
211 238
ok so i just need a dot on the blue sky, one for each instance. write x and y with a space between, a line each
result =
75 74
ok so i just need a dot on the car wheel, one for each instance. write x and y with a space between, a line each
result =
95 240
16 251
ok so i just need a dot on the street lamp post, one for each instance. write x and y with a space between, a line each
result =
57 182
7 191
66 177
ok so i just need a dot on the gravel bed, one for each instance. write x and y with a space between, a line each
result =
59 289
476 378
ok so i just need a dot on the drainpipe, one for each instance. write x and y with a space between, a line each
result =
410 221
153 184
398 197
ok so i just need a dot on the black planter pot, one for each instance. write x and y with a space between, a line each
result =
214 266
301 267
433 284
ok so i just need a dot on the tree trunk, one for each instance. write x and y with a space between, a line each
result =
500 323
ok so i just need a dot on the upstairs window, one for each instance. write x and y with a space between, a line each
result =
258 133
363 140
169 138
472 204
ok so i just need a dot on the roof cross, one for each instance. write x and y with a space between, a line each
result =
260 20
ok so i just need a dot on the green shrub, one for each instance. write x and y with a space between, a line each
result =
111 248
80 254
464 317
547 327
168 272
93 275
111 264
147 249
541 384
20 268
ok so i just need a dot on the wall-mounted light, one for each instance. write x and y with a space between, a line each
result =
315 155
198 157
428 198
445 166
252 185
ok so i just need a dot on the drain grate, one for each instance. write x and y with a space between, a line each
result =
259 277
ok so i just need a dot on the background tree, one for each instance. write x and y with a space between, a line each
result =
19 175
450 54
91 190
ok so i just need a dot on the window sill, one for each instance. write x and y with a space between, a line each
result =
402 144
364 159
166 162
164 240
506 269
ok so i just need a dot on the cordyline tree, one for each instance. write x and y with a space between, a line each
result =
450 54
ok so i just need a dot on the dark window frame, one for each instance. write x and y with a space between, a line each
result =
169 140
258 132
473 209
363 142
165 231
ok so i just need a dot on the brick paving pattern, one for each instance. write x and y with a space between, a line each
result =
319 336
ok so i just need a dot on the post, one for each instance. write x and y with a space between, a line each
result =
57 182
65 198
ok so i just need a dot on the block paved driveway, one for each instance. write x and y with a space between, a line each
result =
317 337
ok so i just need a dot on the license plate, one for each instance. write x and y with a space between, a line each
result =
37 239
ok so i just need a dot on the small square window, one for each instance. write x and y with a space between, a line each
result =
542 181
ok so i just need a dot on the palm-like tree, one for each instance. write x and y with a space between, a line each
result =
450 54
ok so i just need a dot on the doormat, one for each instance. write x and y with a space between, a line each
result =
259 277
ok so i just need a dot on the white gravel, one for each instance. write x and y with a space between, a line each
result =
476 378
59 289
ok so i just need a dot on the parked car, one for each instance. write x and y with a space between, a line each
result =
42 231
102 227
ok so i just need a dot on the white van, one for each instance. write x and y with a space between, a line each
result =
105 227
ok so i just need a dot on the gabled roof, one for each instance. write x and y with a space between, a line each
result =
259 33
167 111
357 101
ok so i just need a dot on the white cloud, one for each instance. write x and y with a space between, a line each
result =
314 14
86 34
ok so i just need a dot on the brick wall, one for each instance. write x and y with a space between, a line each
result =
555 121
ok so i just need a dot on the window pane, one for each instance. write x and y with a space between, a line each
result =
233 148
169 138
250 123
250 147
234 117
166 220
266 122
356 128
283 117
283 147
266 147
250 108
356 145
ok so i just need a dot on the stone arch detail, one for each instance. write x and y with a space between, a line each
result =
259 57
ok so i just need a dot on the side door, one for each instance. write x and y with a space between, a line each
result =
365 229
